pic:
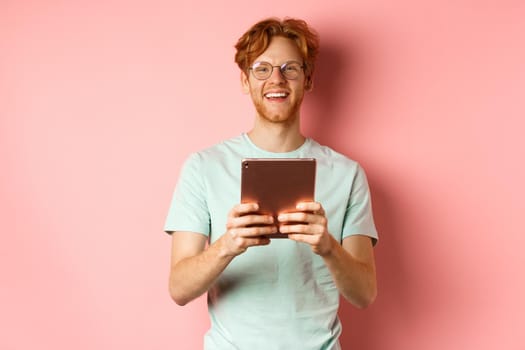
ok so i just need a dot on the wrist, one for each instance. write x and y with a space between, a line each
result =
222 248
330 247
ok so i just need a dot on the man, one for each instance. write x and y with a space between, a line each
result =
264 293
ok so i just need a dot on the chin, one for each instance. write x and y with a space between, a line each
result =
279 119
287 117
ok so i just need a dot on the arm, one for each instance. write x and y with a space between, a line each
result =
194 268
351 264
353 268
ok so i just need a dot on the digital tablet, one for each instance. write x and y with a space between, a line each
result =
277 184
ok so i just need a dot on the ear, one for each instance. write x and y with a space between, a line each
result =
309 84
245 83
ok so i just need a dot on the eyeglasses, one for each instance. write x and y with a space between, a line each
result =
289 70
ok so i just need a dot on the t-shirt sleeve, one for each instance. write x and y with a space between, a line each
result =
189 210
358 216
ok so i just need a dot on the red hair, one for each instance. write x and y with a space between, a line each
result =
257 39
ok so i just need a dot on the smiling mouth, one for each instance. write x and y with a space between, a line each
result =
276 95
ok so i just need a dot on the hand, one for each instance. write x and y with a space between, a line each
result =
308 225
246 229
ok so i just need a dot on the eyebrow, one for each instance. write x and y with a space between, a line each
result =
289 61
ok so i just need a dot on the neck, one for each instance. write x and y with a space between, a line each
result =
276 137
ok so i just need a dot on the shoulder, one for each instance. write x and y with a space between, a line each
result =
328 157
217 151
222 155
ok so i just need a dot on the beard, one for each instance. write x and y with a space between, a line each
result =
287 115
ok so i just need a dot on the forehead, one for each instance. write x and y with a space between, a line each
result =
280 50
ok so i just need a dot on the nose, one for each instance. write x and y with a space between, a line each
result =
277 76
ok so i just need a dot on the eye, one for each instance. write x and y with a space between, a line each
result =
292 67
261 69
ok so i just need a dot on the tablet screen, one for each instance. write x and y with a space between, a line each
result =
277 184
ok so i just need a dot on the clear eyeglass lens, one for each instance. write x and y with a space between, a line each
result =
262 70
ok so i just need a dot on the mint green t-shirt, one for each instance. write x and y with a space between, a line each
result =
279 296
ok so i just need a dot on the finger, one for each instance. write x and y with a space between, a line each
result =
302 217
314 207
252 242
256 231
243 209
302 229
241 244
302 238
249 220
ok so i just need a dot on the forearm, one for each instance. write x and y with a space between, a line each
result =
194 269
355 279
193 276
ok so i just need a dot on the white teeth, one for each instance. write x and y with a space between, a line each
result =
276 94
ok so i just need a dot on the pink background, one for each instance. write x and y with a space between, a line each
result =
100 102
